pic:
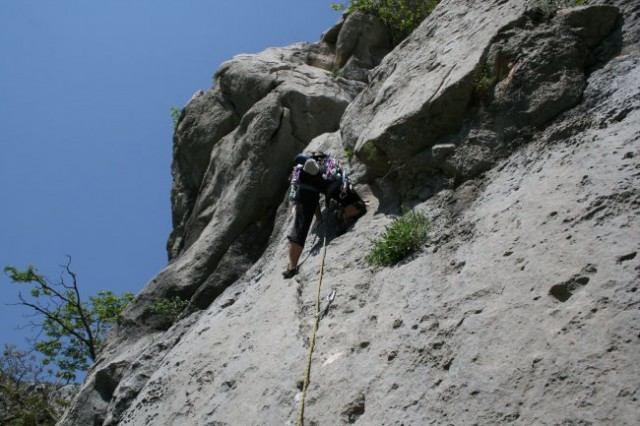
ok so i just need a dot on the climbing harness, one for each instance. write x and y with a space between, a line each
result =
344 189
319 315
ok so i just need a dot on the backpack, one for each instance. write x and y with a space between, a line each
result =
327 166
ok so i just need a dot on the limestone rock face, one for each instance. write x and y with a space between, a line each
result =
229 145
484 81
519 138
432 72
361 44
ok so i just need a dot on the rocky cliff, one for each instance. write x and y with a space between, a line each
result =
517 132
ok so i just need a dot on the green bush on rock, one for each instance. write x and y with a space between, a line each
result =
169 308
403 237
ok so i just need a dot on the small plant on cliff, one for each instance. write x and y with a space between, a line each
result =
400 16
348 153
403 237
169 308
483 79
175 116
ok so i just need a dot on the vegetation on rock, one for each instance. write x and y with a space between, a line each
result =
483 79
175 113
403 237
25 398
169 309
400 16
348 153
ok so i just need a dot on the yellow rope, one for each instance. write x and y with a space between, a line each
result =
313 336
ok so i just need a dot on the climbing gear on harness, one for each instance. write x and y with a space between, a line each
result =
313 335
331 170
345 185
294 184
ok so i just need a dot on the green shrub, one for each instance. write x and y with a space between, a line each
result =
400 16
175 116
403 237
483 79
348 152
169 309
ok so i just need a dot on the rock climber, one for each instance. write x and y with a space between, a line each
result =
315 173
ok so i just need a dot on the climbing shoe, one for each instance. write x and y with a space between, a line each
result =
289 273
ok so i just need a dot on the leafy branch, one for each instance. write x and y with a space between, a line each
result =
73 329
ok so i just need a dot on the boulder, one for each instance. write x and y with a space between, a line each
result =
421 90
483 92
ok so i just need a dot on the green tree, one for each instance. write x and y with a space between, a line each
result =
71 330
25 399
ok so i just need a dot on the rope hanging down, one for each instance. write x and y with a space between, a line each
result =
313 336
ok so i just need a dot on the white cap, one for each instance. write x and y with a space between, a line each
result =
311 167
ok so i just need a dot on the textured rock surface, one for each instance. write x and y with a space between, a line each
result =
523 308
362 43
484 82
421 90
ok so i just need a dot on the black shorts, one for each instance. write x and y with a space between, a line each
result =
306 204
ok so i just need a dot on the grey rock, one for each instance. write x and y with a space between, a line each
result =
489 92
442 149
310 101
331 35
591 23
432 72
206 118
536 84
361 45
521 308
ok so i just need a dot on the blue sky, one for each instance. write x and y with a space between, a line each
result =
85 92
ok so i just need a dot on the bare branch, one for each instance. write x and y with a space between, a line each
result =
50 315
83 316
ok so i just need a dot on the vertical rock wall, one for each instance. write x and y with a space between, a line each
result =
516 134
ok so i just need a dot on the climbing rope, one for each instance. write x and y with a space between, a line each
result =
313 335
